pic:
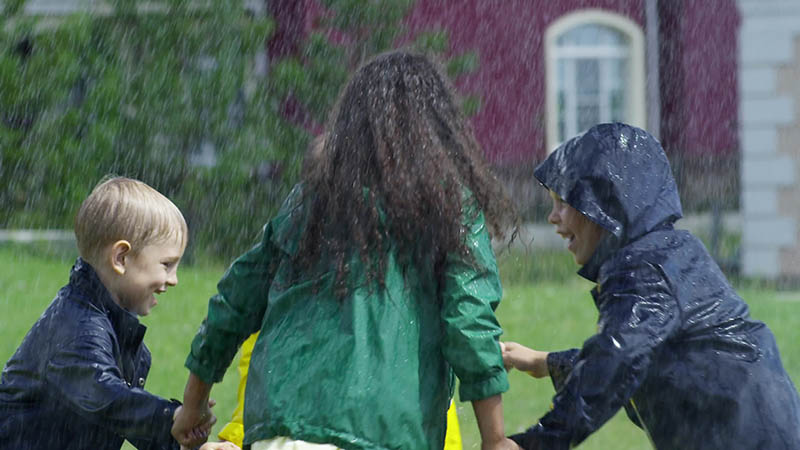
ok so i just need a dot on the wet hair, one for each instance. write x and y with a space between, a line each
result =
123 208
396 165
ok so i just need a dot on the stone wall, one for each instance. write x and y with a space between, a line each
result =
788 85
769 113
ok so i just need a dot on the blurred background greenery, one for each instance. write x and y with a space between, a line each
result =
188 98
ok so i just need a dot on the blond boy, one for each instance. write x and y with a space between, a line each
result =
77 379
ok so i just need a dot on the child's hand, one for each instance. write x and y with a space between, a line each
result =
522 358
192 427
224 445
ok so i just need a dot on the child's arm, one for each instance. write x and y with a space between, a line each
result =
470 292
195 413
636 317
84 376
236 310
489 414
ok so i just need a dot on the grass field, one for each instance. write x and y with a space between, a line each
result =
545 306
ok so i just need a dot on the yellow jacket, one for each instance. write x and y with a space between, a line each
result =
234 430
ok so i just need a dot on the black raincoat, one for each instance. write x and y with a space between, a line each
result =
675 345
77 380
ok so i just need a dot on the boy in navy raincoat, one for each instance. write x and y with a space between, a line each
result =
77 379
675 346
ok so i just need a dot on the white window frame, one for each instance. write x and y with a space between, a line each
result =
635 90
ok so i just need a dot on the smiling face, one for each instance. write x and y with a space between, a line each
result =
582 234
145 274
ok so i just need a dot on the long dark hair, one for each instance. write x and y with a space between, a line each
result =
394 166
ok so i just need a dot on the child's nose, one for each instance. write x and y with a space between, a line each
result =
172 280
553 217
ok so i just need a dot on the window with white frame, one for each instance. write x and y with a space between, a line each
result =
595 73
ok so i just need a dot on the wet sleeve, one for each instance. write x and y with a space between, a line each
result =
84 376
470 293
235 312
559 365
637 314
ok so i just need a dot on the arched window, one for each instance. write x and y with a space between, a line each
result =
595 73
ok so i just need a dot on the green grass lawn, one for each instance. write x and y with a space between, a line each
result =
553 313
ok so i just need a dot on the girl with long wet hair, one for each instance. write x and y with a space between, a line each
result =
374 284
399 132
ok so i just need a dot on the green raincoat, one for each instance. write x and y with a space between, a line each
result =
373 370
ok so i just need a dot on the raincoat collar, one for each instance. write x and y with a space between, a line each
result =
85 280
604 250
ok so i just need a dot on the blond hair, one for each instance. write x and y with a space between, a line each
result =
122 208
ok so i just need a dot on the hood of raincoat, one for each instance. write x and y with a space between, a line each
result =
618 176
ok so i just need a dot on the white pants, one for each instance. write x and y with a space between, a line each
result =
284 443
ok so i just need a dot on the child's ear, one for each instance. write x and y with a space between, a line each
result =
119 250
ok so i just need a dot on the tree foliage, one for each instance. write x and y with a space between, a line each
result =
170 94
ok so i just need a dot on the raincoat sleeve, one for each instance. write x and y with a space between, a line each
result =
235 312
83 375
559 365
637 314
470 293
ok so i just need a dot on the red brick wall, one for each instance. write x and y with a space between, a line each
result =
697 70
508 36
698 77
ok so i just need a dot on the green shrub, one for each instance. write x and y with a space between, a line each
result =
144 94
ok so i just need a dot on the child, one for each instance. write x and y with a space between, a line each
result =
77 379
232 434
675 345
374 282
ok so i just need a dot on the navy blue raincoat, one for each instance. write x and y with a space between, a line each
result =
675 346
77 380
